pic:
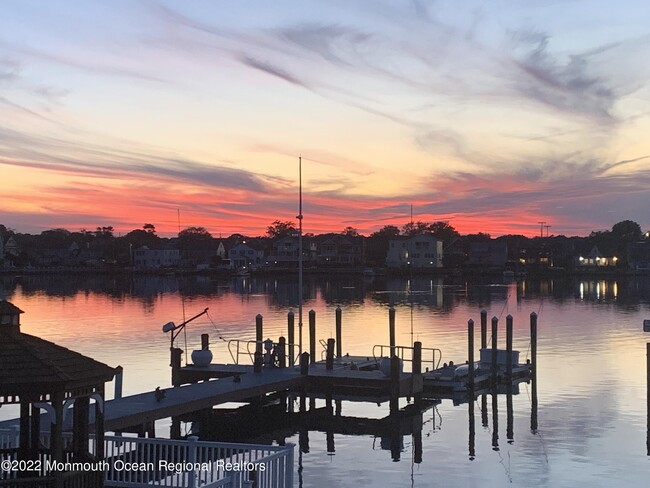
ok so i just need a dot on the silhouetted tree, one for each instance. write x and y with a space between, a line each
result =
280 228
150 228
350 232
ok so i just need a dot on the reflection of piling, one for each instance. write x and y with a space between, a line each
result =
339 345
495 325
312 335
509 349
391 330
510 434
648 394
484 413
470 357
394 384
472 429
258 344
329 357
292 338
533 371
483 329
495 420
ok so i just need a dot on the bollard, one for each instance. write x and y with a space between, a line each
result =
304 363
176 365
312 336
329 358
205 342
339 345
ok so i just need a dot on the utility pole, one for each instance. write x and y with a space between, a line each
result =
547 227
541 228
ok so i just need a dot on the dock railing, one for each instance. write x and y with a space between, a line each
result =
431 356
246 348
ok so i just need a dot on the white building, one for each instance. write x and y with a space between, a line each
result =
419 251
145 258
244 255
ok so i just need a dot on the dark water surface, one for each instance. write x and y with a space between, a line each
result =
592 412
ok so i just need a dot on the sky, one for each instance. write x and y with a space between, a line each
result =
493 116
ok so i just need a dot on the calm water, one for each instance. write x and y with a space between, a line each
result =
591 377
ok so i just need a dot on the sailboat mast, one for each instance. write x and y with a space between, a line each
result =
299 217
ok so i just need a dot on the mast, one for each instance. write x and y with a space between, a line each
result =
299 217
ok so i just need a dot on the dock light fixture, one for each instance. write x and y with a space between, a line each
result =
176 329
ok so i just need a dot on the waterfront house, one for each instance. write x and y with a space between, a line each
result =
246 254
160 257
339 250
596 259
418 252
489 254
638 256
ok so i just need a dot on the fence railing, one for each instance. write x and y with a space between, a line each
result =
246 348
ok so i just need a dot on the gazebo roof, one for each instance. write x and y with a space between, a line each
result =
32 366
9 308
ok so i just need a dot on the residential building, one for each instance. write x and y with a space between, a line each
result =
246 254
638 256
145 258
595 258
419 251
490 254
339 250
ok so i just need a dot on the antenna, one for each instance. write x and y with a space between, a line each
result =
541 228
299 217
178 211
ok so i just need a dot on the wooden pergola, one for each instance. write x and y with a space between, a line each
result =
41 376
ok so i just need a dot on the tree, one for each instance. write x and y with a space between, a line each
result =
280 228
415 228
626 230
195 233
387 231
104 231
350 232
150 228
442 230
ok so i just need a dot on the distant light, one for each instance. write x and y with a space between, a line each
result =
597 259
615 258
581 258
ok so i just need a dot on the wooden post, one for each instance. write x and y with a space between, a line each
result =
23 446
648 394
391 330
329 358
312 336
281 352
205 342
292 339
259 337
339 345
119 375
100 432
533 371
36 431
470 358
417 367
394 384
509 348
176 354
495 325
304 363
483 329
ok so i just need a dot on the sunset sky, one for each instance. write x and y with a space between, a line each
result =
491 115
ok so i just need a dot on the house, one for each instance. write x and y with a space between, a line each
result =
11 248
339 250
285 252
492 253
145 258
638 256
419 251
595 258
246 254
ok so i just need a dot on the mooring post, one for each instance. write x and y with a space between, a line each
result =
339 345
509 348
281 352
483 329
259 337
119 376
205 342
495 325
304 363
391 330
648 394
470 358
176 365
533 371
329 358
290 326
312 335
417 367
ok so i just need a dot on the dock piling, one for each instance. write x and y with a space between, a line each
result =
312 335
282 352
339 345
292 339
119 376
329 358
391 330
304 363
205 342
417 367
533 371
495 325
648 394
470 357
509 348
258 360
